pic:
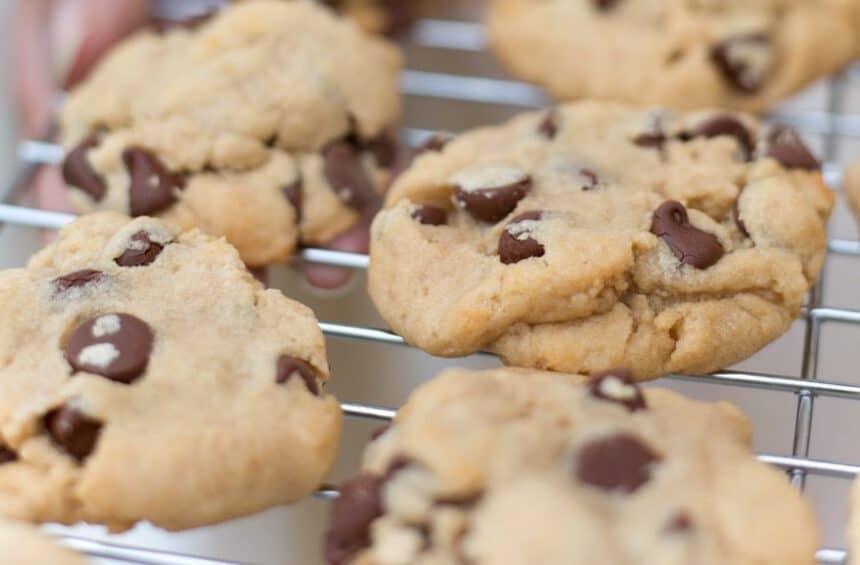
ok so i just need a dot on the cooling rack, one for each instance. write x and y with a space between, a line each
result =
465 38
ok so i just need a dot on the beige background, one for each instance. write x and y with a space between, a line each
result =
384 375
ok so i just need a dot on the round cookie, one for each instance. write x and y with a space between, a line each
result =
23 545
147 375
742 54
596 235
269 124
511 466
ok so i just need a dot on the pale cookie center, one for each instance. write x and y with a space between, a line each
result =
106 325
488 177
98 355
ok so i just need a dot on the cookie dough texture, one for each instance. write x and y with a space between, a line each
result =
596 235
146 375
23 545
512 466
264 100
685 54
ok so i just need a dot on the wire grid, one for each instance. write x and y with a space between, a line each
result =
463 36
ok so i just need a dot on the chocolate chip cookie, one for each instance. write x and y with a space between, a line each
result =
597 235
147 375
23 545
510 466
685 54
269 124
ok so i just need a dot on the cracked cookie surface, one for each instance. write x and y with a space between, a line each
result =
512 466
146 375
597 235
269 124
686 54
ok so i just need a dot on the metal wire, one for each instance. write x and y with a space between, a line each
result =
469 37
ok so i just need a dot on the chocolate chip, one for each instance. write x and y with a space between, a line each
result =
153 185
77 279
739 60
290 366
604 5
7 455
294 193
347 176
430 215
516 243
351 514
679 523
140 252
73 431
691 245
379 432
616 385
548 126
725 124
651 140
619 462
115 346
385 150
786 146
491 196
79 173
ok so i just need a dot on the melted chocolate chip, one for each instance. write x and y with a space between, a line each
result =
79 173
786 146
7 455
651 140
385 150
679 523
77 279
493 203
152 186
140 252
351 514
737 59
347 176
690 245
516 244
430 215
115 346
728 125
294 193
291 366
619 462
548 126
73 431
616 385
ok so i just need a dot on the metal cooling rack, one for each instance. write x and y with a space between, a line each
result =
465 37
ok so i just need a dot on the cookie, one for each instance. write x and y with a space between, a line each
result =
597 235
378 16
269 123
23 545
147 375
514 466
851 186
741 54
854 525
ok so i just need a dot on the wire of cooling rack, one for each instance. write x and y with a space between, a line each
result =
469 37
